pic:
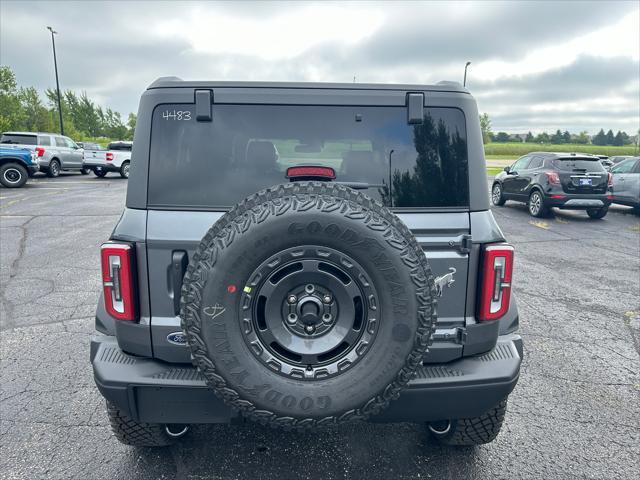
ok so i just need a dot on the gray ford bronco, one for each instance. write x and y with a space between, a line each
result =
303 255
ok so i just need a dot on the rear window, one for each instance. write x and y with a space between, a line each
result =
246 148
17 139
578 164
119 146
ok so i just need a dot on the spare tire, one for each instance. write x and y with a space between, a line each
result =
308 304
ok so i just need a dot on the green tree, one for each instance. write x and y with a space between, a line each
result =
566 136
131 125
618 140
542 137
626 139
502 137
11 115
529 138
610 137
557 137
582 138
599 138
485 126
36 116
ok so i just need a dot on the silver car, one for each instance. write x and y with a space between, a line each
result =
626 182
54 152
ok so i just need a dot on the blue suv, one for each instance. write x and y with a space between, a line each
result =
16 164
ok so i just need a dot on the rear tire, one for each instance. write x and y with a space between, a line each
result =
99 172
124 170
470 431
138 434
497 197
84 171
536 205
13 175
54 169
597 213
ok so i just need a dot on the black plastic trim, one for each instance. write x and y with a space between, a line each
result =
154 391
481 337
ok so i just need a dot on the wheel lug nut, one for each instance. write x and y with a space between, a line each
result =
292 299
327 299
292 318
309 329
326 318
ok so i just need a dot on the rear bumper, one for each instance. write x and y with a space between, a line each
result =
578 201
108 167
157 392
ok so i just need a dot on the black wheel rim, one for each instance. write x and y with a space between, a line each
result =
12 175
309 313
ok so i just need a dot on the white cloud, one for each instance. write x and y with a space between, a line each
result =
620 39
282 36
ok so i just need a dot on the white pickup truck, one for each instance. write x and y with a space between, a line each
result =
116 158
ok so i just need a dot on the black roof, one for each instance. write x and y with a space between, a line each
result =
175 82
565 155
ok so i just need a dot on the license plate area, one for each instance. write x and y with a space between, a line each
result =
585 182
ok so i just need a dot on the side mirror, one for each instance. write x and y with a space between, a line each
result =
507 169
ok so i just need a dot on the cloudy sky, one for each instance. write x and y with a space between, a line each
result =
535 65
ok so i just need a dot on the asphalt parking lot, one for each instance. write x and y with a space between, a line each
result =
574 414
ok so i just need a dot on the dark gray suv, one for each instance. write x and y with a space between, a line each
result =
303 255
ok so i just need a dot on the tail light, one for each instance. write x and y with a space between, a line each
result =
495 290
118 280
610 180
305 172
39 152
109 156
553 177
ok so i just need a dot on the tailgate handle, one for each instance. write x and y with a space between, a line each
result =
178 268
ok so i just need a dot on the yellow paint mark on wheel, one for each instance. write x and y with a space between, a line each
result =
539 224
246 289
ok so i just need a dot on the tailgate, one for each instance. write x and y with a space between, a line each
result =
580 183
95 157
173 236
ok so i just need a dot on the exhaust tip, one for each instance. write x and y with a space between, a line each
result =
176 430
440 428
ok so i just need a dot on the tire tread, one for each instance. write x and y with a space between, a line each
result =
136 434
303 196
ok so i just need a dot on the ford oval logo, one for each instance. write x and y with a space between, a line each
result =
177 338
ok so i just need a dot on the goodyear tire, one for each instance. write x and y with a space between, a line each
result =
308 304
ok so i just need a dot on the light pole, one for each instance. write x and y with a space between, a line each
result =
55 65
464 82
